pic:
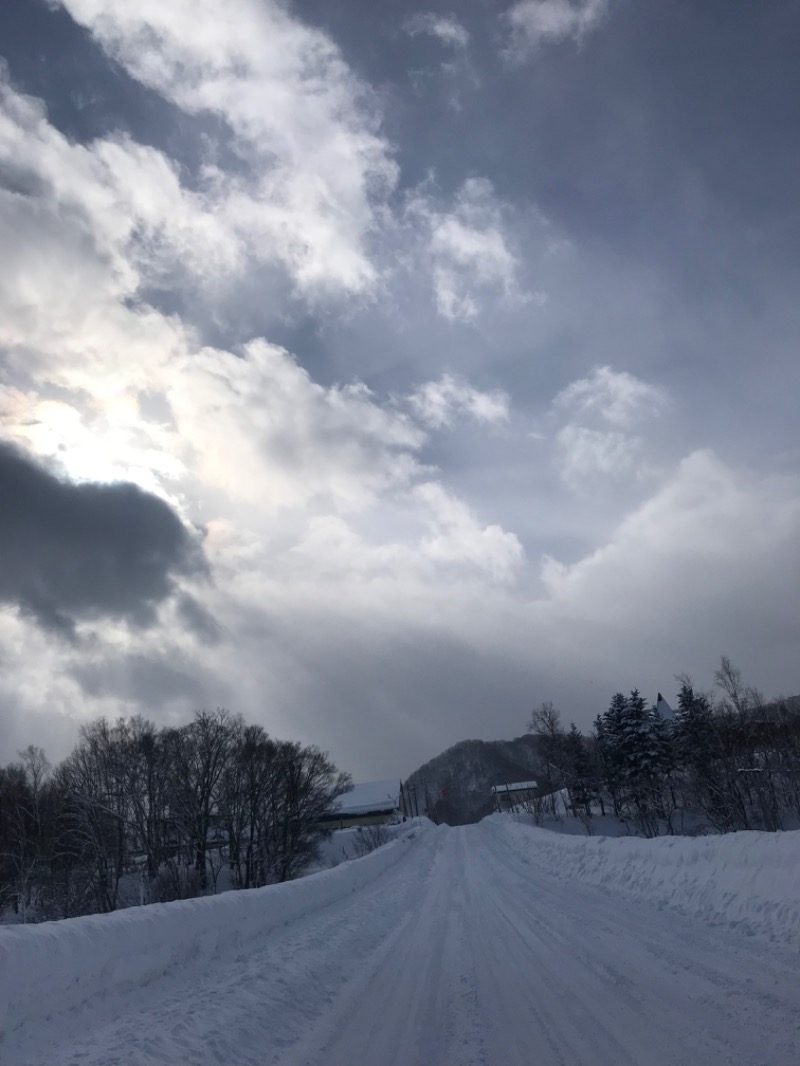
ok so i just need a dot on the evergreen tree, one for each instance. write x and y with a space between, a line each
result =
607 731
580 770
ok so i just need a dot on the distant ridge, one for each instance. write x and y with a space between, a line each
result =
458 781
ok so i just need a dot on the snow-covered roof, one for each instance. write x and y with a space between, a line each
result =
515 786
369 796
664 709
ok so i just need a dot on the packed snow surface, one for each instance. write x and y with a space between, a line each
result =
489 945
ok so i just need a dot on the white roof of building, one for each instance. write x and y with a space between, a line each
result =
369 796
664 709
515 786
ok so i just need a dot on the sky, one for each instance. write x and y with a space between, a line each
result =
379 372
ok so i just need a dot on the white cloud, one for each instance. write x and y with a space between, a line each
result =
616 397
251 436
533 22
247 442
316 503
439 403
446 28
332 549
454 547
315 168
451 78
585 453
602 410
289 440
469 247
86 228
457 536
119 202
709 536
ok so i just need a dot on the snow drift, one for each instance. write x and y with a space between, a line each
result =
50 968
742 880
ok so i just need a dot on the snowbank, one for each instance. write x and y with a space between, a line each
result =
745 880
50 968
345 844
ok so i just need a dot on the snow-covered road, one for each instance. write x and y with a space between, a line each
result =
465 953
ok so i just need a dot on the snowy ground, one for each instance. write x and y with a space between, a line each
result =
744 881
488 945
346 844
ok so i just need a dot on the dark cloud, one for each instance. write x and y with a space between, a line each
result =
198 620
376 694
150 684
73 551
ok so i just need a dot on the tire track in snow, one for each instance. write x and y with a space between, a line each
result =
681 992
417 1003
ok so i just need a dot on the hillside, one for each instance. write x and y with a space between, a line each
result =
458 781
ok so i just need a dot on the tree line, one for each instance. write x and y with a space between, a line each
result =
728 756
158 813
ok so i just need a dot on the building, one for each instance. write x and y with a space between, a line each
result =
508 796
368 803
664 710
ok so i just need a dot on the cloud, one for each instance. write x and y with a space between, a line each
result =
616 397
439 403
709 537
144 223
292 442
533 22
96 225
585 453
234 309
455 76
445 28
691 571
146 680
469 248
445 544
706 565
457 537
321 513
313 167
602 409
74 551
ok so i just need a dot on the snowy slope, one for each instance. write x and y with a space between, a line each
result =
744 880
488 945
57 966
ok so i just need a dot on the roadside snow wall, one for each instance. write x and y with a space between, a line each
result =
56 966
748 881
